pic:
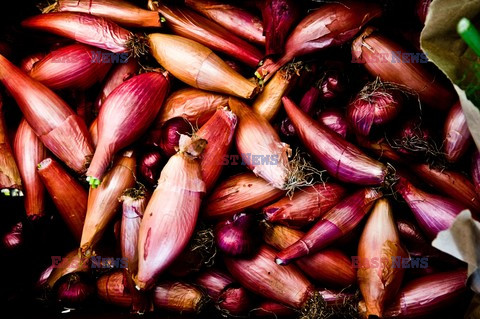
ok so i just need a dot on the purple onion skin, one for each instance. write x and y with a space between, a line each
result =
422 10
234 236
433 213
150 165
331 86
334 120
170 135
278 18
476 171
339 157
456 134
307 104
14 238
74 291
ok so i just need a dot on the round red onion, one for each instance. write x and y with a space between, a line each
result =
170 135
234 236
149 166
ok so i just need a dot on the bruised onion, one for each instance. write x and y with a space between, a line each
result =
377 104
235 236
171 213
379 245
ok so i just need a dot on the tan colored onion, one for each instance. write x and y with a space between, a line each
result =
171 214
103 201
67 194
112 289
198 66
378 278
237 193
194 105
256 138
179 297
269 102
29 151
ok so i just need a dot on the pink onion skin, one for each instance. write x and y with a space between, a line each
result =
235 19
423 296
72 66
304 206
433 213
218 132
84 28
191 25
261 275
450 183
170 218
476 171
118 74
29 151
27 64
332 24
118 11
334 120
170 135
52 120
456 134
337 222
67 194
278 18
125 116
340 158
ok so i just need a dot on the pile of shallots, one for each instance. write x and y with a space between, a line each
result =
239 158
